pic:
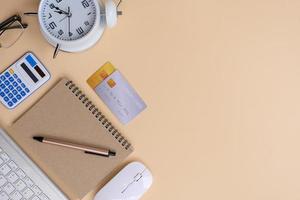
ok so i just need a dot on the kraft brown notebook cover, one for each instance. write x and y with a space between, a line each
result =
66 113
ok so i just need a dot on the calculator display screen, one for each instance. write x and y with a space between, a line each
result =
39 71
29 73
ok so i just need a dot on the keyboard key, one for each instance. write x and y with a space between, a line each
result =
6 82
2 78
2 94
36 190
13 165
28 181
12 177
2 86
6 91
16 195
27 193
10 87
11 79
10 95
15 76
3 196
19 88
3 181
4 169
20 185
23 85
19 97
15 92
15 84
6 74
5 157
8 188
19 80
43 197
20 173
27 90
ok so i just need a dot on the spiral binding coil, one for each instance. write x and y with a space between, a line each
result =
97 113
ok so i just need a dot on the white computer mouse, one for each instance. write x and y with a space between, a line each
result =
129 184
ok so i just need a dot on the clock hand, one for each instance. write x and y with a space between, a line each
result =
63 18
69 21
60 11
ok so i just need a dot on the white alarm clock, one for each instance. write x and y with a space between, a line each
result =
75 25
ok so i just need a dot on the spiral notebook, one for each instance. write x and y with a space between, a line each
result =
66 113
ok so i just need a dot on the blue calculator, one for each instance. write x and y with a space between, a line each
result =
21 79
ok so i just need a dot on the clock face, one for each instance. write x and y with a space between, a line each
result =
68 20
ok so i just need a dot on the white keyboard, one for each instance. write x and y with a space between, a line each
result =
20 178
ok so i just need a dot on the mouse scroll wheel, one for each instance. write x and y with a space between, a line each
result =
138 177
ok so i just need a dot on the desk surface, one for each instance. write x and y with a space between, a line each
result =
221 80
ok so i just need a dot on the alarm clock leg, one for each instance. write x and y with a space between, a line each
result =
56 51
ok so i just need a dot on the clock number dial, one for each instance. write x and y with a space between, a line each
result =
85 3
79 31
69 20
52 25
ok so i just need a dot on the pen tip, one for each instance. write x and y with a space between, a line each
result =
37 138
111 153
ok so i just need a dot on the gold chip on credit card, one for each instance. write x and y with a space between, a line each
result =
105 70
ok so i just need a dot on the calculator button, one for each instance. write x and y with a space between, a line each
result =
19 80
23 93
23 85
6 99
11 79
19 97
10 87
19 88
6 91
10 95
2 78
15 92
27 90
6 83
15 84
7 74
15 76
14 100
2 86
10 104
2 94
4 196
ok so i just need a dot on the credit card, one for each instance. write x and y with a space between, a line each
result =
115 91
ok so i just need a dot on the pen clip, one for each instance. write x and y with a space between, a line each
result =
96 154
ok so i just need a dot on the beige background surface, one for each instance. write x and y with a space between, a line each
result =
221 80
